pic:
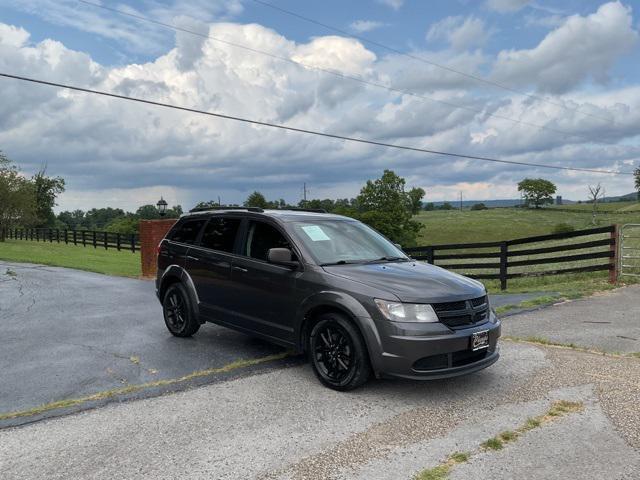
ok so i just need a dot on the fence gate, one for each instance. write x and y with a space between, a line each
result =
630 250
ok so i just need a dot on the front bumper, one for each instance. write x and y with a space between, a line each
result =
437 356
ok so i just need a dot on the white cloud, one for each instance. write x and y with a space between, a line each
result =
13 36
460 32
128 153
395 4
581 47
504 6
362 26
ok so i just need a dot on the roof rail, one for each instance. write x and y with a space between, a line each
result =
222 207
296 209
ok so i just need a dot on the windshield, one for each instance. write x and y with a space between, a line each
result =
334 242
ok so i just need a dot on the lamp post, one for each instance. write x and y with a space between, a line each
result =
162 206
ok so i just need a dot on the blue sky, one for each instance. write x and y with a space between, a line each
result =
583 55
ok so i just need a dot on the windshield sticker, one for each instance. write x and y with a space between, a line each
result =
315 233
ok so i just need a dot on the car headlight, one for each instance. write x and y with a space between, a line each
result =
407 312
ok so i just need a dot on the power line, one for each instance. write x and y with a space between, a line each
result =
344 76
423 60
309 132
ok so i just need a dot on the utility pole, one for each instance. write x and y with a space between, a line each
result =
304 192
460 200
219 203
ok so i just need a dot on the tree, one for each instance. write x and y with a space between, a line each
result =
446 206
17 197
594 196
479 206
429 207
256 199
209 204
386 206
636 173
416 195
47 190
537 191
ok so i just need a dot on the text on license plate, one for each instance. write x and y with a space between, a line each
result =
480 340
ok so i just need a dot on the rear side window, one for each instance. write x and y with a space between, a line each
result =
220 234
261 237
188 231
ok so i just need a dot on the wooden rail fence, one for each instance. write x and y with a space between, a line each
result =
497 260
91 238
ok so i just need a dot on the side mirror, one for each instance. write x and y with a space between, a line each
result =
398 246
281 256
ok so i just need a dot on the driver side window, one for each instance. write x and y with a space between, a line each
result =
261 237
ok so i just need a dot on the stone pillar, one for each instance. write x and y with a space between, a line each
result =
151 233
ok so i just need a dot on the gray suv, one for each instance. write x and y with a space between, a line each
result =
328 286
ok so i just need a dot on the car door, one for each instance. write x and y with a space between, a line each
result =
209 264
265 294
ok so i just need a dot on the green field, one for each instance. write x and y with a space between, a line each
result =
602 207
455 226
109 262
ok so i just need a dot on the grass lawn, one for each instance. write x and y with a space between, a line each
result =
454 226
109 262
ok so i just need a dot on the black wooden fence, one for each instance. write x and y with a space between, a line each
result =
86 238
498 260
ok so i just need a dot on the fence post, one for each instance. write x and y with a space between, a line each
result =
430 252
614 267
75 237
50 236
105 240
133 243
118 241
84 239
503 265
57 235
94 239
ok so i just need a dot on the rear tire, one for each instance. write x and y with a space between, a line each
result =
338 353
179 314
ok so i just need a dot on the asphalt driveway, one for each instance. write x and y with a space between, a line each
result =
67 334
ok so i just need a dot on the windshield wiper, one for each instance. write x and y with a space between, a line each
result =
388 259
340 262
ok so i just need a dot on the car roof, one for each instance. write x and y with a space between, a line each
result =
284 215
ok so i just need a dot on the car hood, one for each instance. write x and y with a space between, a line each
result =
411 281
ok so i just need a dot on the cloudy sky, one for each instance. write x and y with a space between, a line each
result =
578 62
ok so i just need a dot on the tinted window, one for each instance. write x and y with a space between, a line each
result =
188 231
220 234
261 237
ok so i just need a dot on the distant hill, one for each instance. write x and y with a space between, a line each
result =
629 197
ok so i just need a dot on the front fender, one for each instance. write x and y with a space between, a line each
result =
349 306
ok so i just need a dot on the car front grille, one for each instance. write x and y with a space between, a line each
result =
463 314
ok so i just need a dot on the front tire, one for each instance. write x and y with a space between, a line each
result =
179 316
338 353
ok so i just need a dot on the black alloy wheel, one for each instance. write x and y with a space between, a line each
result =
338 353
178 312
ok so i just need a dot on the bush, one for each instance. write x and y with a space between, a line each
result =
563 228
479 206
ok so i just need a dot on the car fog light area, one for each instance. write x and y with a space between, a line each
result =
407 312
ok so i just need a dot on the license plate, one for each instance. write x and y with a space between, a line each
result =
480 340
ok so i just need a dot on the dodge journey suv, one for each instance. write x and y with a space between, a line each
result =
328 286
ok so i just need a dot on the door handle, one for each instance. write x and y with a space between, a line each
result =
189 257
240 269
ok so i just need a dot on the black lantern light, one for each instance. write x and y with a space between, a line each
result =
162 206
